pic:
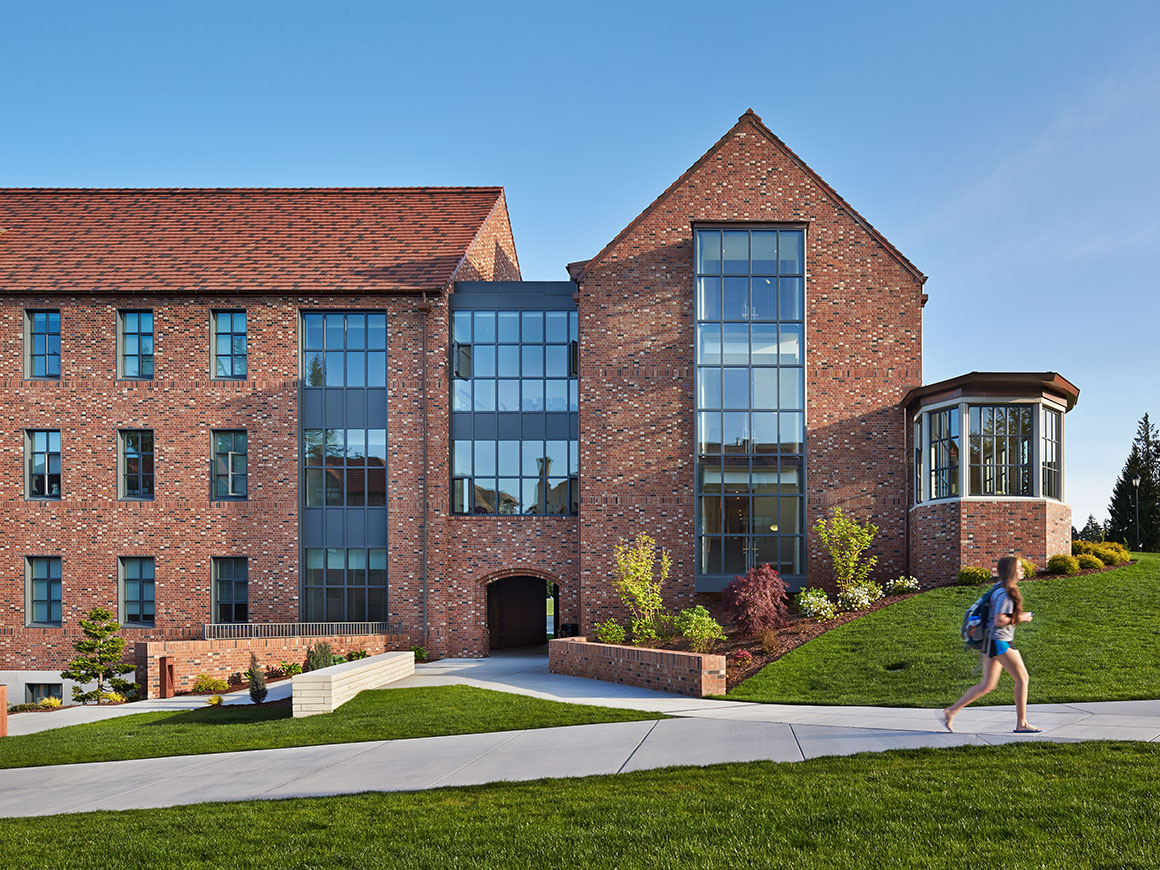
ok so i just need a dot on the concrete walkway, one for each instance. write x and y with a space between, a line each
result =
703 732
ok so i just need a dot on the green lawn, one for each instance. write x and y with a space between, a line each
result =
1017 806
384 714
1094 638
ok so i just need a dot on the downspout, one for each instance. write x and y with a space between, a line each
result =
906 492
425 308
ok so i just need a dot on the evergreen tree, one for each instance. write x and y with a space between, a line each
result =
1143 461
1092 530
100 659
257 679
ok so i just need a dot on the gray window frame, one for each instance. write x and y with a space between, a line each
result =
329 353
218 562
318 476
214 356
30 354
983 466
30 595
1051 482
123 470
945 433
122 598
338 580
30 454
50 690
123 333
230 475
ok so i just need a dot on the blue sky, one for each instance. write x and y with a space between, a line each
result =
1008 149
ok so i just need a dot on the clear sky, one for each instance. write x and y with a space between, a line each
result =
1010 150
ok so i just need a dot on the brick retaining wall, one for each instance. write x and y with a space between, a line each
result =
223 658
682 673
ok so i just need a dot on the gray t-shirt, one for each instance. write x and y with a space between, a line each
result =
1001 603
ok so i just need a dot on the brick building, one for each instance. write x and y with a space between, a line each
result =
242 418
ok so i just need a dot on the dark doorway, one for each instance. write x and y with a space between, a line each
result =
519 610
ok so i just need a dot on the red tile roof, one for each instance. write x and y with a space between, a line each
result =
347 240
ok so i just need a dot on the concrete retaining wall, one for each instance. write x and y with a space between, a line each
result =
682 673
325 690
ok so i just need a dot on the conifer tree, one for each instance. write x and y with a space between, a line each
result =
100 659
257 681
1144 461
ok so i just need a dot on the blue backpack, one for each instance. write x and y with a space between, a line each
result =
976 619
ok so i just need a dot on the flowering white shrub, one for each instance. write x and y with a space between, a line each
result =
901 585
814 603
859 597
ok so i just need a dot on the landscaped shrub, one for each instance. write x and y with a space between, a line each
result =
113 697
290 669
1029 568
970 575
22 708
859 597
339 660
214 700
206 683
50 703
257 678
901 585
609 631
847 539
356 654
100 658
768 641
318 656
743 658
639 588
420 653
1061 563
1087 562
814 603
758 599
699 628
666 625
1078 547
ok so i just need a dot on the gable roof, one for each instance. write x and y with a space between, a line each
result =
322 240
752 119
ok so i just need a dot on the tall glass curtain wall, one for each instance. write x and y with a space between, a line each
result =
344 466
514 397
750 400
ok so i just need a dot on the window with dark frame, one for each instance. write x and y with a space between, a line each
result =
750 400
230 464
1052 466
346 585
137 469
230 349
43 345
34 693
345 467
344 349
136 345
944 453
42 447
137 590
44 596
231 589
1000 457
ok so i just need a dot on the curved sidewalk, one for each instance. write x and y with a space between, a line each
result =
702 732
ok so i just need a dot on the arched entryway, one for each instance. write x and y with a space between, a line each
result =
522 610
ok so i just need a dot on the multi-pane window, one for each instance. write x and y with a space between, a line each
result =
515 477
42 446
346 585
1052 465
43 345
231 589
230 461
514 361
344 349
136 463
750 400
944 453
229 344
345 467
136 345
44 590
1000 460
137 593
34 693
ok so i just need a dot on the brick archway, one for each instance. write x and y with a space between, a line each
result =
516 607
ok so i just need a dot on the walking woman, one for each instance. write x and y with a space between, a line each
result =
998 653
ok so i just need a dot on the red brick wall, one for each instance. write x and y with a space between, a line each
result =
682 673
224 658
864 350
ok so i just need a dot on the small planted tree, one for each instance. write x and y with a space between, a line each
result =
847 540
318 656
100 658
257 678
758 599
641 571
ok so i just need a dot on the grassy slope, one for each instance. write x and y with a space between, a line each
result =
387 714
1076 805
1094 638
